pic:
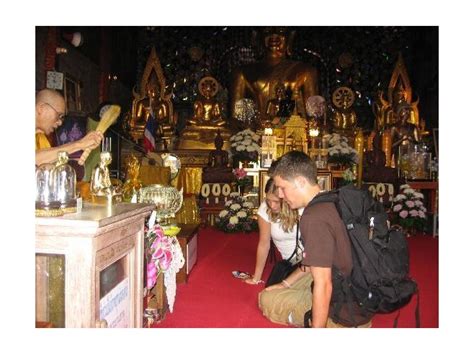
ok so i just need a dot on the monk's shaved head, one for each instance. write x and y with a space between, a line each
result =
48 96
50 108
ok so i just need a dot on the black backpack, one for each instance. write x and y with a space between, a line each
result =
379 281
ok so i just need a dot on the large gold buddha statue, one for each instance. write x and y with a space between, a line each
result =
201 129
258 80
151 100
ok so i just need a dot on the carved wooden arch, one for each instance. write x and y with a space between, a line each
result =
400 74
153 64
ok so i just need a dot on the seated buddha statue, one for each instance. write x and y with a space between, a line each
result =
218 169
201 129
280 107
153 102
207 111
344 119
100 181
258 80
153 106
403 132
387 113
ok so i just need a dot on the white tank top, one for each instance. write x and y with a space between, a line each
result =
284 241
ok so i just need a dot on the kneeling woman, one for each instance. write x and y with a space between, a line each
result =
277 222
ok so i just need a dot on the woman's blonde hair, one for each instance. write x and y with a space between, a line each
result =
287 217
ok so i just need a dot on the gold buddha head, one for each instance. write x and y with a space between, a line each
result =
152 86
277 40
399 93
218 141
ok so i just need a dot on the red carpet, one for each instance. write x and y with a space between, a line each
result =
212 298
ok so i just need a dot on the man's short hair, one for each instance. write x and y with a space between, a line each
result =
294 164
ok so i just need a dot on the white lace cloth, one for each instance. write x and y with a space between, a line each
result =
170 275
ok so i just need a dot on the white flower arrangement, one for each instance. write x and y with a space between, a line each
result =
348 176
408 209
339 150
235 206
237 215
244 145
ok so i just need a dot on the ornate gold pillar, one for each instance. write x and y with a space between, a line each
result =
387 147
359 146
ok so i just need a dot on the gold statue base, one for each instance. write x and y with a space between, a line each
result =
202 137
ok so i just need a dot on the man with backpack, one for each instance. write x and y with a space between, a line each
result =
327 250
355 265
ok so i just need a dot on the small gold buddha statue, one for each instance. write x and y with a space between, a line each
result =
207 111
403 132
151 100
258 80
399 99
100 182
344 119
133 184
399 94
218 168
153 106
278 108
207 120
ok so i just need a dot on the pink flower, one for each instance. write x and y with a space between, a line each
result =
159 231
397 207
158 253
414 213
165 261
403 214
421 214
239 173
410 203
151 275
